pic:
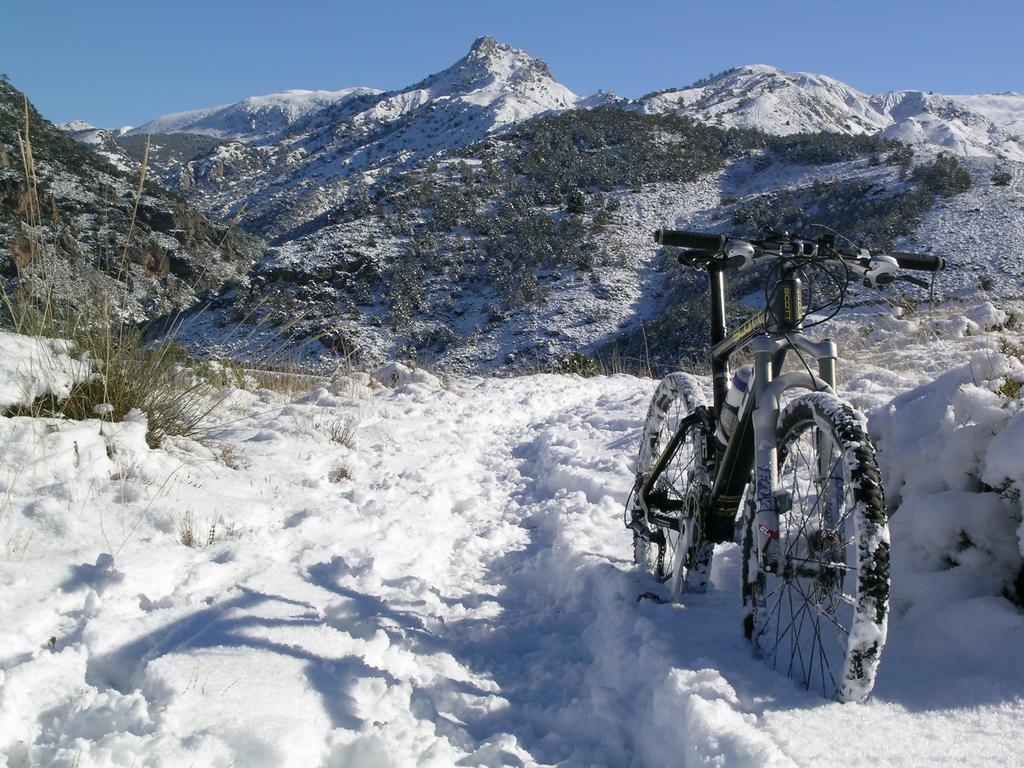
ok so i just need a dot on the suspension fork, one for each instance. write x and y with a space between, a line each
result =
765 418
770 500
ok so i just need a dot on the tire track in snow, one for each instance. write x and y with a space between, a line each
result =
588 672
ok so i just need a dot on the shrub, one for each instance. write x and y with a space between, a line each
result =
825 148
128 374
1002 178
857 208
944 176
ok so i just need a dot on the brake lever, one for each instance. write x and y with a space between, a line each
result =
915 281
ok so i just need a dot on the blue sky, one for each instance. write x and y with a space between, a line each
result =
115 63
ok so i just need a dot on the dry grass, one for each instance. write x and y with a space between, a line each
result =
123 269
126 374
342 430
30 201
287 379
187 530
230 457
342 473
189 536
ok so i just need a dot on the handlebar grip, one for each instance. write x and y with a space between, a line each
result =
921 261
700 241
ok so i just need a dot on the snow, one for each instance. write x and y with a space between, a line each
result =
1005 109
254 119
435 572
31 367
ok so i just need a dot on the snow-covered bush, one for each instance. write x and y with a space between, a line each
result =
122 374
399 375
952 452
33 367
77 362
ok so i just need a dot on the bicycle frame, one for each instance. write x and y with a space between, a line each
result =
750 454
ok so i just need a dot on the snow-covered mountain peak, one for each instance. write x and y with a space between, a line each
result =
87 133
256 119
485 45
764 97
76 125
502 59
494 82
754 69
769 99
509 63
903 104
493 71
601 99
312 144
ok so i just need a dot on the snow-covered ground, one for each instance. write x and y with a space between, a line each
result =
436 573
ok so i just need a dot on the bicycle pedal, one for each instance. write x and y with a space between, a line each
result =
651 596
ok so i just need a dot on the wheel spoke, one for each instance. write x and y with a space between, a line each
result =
824 660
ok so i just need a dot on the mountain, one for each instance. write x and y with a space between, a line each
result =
492 86
310 166
768 99
283 174
79 229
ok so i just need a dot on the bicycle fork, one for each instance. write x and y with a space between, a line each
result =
770 500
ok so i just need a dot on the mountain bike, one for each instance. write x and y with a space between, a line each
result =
776 461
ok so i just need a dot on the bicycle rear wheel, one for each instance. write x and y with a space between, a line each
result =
819 613
680 491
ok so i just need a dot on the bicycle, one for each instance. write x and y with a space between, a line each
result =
795 479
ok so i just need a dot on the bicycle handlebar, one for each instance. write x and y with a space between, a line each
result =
710 246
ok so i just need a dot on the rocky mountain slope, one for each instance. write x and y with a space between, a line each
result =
73 223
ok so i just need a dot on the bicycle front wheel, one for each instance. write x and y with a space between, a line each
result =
817 608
